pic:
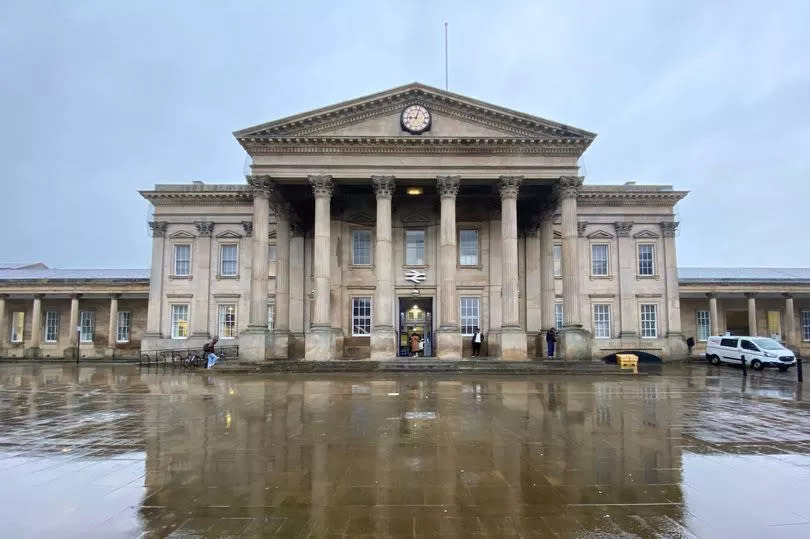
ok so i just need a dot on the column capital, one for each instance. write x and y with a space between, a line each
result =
623 228
205 228
581 226
787 295
509 186
750 295
3 296
39 296
668 228
247 226
448 186
322 185
711 295
158 228
383 186
75 296
115 296
262 185
569 186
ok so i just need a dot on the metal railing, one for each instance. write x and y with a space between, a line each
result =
185 357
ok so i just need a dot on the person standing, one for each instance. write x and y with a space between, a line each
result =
551 341
477 339
415 340
208 350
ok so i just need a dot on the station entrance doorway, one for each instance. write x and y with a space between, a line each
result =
416 318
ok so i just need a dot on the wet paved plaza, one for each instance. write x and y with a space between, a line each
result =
116 451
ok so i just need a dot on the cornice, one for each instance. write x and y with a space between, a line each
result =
632 198
199 198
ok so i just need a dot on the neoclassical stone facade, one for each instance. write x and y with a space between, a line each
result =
364 223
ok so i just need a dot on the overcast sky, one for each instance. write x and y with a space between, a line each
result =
100 99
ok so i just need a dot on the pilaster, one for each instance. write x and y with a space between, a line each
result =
628 315
156 275
200 323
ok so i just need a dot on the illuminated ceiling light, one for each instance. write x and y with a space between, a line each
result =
415 190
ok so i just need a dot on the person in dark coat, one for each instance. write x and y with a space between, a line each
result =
208 350
551 341
690 343
477 339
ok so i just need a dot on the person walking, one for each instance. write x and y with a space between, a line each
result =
551 341
477 339
415 341
208 350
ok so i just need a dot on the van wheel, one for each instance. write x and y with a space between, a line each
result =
715 360
783 369
757 365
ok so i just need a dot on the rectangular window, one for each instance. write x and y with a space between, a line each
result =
87 322
17 326
646 256
649 320
124 325
806 325
361 247
227 259
415 247
469 315
557 255
226 317
468 247
361 317
179 321
51 326
703 325
272 253
599 259
558 315
601 320
271 312
182 259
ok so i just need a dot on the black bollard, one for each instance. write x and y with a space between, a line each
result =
742 361
799 374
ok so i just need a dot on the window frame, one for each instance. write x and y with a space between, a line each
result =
127 315
653 264
703 320
461 316
222 322
424 247
556 261
559 315
173 319
55 328
271 315
83 316
17 333
272 248
357 317
175 259
221 264
607 259
370 233
477 263
608 320
804 321
641 320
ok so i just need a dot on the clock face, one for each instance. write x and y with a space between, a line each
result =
416 119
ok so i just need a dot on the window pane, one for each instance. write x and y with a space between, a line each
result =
703 326
227 259
558 315
17 326
179 321
649 320
272 253
557 260
645 259
271 311
601 321
361 247
599 259
51 326
468 247
470 318
361 317
415 247
87 323
226 317
124 323
182 259
806 325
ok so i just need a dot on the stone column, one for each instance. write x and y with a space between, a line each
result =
281 321
534 295
448 336
789 322
74 323
574 342
752 314
383 336
36 328
3 331
713 318
320 340
547 273
676 342
513 337
253 342
628 316
154 312
113 325
202 276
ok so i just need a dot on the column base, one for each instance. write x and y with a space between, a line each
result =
448 343
280 345
513 344
320 345
677 346
254 344
31 353
383 343
575 343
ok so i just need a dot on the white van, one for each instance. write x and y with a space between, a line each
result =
759 352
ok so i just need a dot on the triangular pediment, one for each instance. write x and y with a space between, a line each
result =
600 235
645 234
182 234
228 234
379 115
360 218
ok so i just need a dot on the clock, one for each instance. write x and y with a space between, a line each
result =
415 119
